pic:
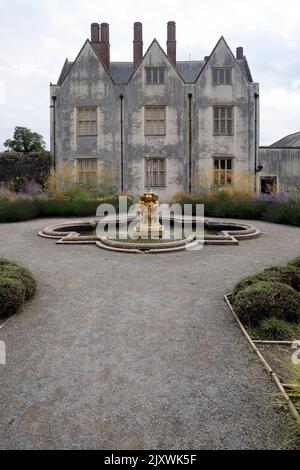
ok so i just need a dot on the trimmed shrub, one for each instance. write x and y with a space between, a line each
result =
12 296
267 299
285 213
6 262
17 210
295 262
275 329
23 275
289 275
25 208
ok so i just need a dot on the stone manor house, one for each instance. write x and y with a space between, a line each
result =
157 122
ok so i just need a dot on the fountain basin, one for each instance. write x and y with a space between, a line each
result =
216 233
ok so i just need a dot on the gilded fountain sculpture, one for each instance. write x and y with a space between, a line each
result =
149 225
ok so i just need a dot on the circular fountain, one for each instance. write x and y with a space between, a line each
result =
149 229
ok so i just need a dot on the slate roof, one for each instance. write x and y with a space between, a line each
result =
188 70
64 72
121 71
291 140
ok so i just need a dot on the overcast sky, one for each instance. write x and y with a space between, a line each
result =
37 35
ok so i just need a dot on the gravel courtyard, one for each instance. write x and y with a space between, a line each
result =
125 351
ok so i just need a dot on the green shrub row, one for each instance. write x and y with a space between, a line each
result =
269 301
224 205
17 285
20 209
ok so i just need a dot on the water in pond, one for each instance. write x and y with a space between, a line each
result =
171 236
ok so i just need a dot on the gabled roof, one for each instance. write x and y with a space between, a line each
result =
65 70
243 63
188 71
291 140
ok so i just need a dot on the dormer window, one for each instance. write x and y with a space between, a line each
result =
155 75
222 76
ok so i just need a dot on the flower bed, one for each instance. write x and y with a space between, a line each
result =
280 208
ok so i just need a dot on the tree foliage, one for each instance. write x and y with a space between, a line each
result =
25 141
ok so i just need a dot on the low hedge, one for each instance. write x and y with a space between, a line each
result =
295 262
20 209
289 275
17 285
12 296
223 205
21 274
267 299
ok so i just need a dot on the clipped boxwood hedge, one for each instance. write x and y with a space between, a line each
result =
267 299
21 274
18 210
295 262
17 285
289 275
12 295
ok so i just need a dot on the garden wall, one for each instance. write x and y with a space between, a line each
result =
282 164
17 169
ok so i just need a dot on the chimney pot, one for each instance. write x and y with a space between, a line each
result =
171 42
95 32
137 43
239 53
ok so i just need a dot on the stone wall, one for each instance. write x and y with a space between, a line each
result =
17 169
282 163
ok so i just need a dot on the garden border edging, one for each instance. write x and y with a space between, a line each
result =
266 365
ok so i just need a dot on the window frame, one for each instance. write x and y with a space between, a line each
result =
226 170
85 108
157 68
157 121
160 184
218 68
84 172
226 107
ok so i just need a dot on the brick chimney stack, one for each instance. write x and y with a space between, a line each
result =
171 42
239 53
105 45
95 32
100 41
137 43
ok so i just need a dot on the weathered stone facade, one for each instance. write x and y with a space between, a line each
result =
280 169
120 93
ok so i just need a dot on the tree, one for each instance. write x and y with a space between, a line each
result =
25 141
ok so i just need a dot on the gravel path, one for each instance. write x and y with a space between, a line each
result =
136 351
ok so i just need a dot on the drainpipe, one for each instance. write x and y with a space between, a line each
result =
256 170
54 98
122 142
190 96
